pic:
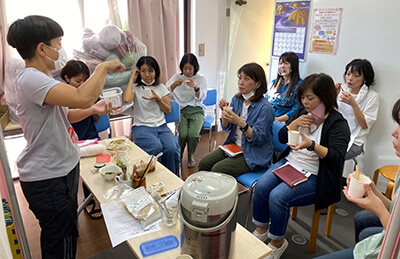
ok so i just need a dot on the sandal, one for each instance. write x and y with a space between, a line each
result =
192 164
93 213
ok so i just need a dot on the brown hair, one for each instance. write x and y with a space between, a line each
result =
255 72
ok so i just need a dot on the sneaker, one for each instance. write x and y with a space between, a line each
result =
262 236
277 252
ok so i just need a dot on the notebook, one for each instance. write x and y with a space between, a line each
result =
290 175
232 149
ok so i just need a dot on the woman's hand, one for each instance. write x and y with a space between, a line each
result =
303 121
305 143
347 98
231 117
191 84
101 107
338 87
114 66
223 103
153 96
134 73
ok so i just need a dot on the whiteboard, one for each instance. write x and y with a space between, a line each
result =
369 30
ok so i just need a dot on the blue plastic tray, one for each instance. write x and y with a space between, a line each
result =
159 245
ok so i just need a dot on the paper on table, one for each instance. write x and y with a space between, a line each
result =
121 225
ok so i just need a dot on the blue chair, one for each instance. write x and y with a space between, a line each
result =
211 100
173 116
103 124
249 180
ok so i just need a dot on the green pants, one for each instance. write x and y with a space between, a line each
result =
192 119
218 161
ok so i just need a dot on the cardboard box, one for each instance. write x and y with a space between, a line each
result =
5 118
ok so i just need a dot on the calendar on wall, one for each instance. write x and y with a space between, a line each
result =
290 27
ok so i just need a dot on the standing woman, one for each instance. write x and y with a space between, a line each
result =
189 89
319 156
150 131
49 165
249 123
358 103
283 92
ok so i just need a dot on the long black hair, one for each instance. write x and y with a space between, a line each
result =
293 59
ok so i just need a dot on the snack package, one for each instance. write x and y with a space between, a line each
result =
142 206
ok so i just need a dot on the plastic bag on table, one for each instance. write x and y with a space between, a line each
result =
142 206
114 193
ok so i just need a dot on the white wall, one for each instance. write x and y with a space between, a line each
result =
206 32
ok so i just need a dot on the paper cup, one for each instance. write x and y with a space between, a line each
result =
229 108
184 256
293 137
356 187
147 93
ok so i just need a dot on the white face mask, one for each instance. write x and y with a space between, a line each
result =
62 59
152 82
248 95
58 56
283 74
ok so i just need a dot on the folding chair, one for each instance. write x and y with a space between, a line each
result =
211 100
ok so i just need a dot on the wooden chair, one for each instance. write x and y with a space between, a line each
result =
315 224
389 172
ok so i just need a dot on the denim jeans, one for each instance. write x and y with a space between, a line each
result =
273 199
366 224
342 254
153 140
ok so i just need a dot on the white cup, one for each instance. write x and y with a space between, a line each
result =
229 108
147 93
356 187
184 256
119 180
293 137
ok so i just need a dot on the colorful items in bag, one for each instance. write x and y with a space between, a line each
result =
12 237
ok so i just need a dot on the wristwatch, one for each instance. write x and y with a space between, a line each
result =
311 148
245 128
197 89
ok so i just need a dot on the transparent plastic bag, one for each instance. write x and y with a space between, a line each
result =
142 206
115 192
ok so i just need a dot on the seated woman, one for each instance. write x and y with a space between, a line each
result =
150 131
75 73
358 103
375 203
320 156
282 94
189 89
249 124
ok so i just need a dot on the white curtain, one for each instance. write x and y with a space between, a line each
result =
156 24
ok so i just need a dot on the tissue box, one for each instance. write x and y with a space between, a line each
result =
5 116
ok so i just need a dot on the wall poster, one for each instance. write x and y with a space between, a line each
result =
290 27
325 30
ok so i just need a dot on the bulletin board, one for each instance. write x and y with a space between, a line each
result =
290 27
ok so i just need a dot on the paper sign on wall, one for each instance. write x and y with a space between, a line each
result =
325 30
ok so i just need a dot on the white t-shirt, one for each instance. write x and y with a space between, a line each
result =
243 115
303 159
147 112
51 149
184 95
368 101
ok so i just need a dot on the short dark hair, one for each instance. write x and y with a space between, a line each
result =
25 34
323 86
396 112
151 62
293 59
257 73
74 68
191 59
364 67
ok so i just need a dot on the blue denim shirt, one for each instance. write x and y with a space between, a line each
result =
258 150
281 103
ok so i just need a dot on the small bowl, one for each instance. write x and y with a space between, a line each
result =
109 172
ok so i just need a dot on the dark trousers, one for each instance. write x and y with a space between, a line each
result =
54 203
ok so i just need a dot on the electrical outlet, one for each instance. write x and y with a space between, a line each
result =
202 49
